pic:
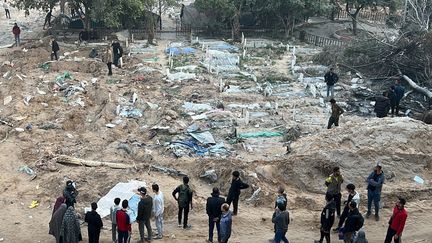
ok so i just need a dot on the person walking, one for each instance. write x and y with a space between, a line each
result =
354 196
70 193
124 227
336 112
48 19
158 210
16 32
184 200
108 59
113 216
331 78
353 223
54 49
375 181
70 231
59 201
56 221
94 224
7 9
214 212
281 220
360 237
234 192
334 183
145 207
117 53
327 219
225 223
382 105
397 222
399 92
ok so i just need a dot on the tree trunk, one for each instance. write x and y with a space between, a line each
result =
62 6
354 23
235 32
160 14
150 28
417 88
87 22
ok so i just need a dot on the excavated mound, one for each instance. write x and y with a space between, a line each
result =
403 147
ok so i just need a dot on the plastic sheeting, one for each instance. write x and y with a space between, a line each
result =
122 190
204 137
260 134
180 51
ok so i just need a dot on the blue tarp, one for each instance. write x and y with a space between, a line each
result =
180 50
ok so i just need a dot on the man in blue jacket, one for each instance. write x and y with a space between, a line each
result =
399 92
375 182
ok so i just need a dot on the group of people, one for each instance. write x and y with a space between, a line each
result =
351 221
113 55
390 100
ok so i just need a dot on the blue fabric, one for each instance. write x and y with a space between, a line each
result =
180 51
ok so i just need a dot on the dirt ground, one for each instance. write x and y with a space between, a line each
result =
73 122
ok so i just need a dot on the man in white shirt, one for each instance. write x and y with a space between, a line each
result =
6 8
158 209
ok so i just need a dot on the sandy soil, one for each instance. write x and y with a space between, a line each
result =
402 144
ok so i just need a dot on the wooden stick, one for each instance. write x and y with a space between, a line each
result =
64 159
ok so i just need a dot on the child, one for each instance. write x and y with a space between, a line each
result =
225 223
113 212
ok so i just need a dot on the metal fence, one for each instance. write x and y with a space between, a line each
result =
320 40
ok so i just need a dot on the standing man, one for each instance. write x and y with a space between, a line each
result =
214 212
334 183
95 224
48 19
225 224
397 222
124 227
234 191
327 219
117 53
353 196
382 105
70 193
145 207
375 182
184 199
331 79
108 58
54 49
17 32
113 215
353 223
336 112
281 220
6 8
158 209
399 91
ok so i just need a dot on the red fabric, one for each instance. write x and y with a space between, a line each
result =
16 30
123 221
398 220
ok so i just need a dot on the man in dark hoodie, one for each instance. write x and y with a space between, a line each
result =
327 219
234 191
375 181
54 49
281 220
117 53
399 91
331 79
214 212
70 193
353 223
184 199
382 105
95 224
145 207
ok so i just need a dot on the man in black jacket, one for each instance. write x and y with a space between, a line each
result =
214 212
54 49
382 105
234 191
95 224
184 199
353 223
70 193
327 218
145 206
331 79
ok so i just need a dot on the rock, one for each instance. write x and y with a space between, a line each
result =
210 175
7 100
266 171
